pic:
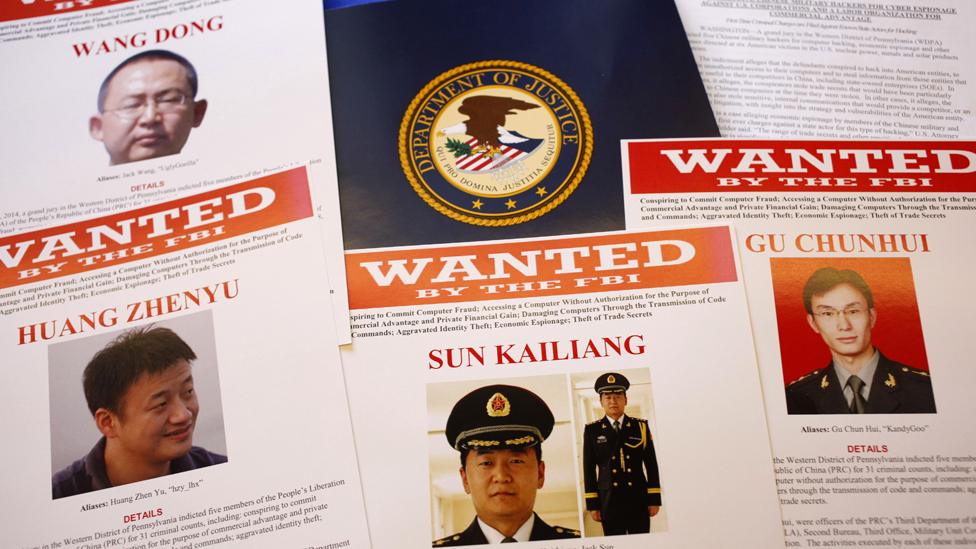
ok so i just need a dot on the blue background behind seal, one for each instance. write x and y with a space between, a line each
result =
628 61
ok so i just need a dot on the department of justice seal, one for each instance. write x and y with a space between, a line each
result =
495 143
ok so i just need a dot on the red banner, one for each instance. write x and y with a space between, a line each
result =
154 230
726 165
536 268
13 10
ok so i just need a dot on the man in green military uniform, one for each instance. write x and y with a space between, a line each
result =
499 430
620 473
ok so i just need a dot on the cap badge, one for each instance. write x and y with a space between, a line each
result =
498 406
611 379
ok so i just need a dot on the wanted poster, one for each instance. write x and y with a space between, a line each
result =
586 391
120 104
164 388
857 259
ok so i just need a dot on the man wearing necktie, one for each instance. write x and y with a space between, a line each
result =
859 379
499 429
620 474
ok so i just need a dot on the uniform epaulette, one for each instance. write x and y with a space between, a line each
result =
444 540
916 371
801 378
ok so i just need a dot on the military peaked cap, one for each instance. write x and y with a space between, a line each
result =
498 416
611 382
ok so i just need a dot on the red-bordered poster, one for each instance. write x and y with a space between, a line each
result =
115 105
500 362
165 388
856 258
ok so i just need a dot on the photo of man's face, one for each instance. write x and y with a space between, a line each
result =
147 111
157 416
613 403
842 318
503 483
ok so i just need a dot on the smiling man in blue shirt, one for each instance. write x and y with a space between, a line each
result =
140 392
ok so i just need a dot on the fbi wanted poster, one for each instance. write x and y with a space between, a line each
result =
591 390
164 388
858 257
113 105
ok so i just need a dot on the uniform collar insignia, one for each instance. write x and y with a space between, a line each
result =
824 382
890 382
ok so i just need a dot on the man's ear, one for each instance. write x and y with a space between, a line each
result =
107 423
95 127
812 323
542 474
464 481
872 317
199 109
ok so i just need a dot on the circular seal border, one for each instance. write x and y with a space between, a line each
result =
578 173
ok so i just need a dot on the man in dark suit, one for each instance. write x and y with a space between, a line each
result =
859 379
620 475
499 430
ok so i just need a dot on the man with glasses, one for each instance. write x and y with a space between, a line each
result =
147 107
859 379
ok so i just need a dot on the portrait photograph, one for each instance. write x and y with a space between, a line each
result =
135 404
147 107
487 481
850 336
614 434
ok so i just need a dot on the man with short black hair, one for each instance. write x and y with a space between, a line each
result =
499 429
140 392
147 107
620 474
859 379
